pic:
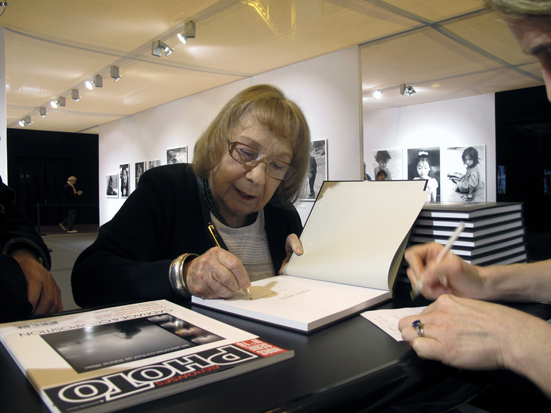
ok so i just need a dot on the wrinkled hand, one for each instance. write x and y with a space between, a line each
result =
292 244
451 275
43 292
216 274
466 333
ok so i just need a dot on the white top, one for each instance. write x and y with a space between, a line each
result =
250 245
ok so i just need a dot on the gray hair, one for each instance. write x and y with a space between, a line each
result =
520 8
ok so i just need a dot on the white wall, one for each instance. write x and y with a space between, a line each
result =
327 88
459 122
3 132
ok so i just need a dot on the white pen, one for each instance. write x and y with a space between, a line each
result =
415 291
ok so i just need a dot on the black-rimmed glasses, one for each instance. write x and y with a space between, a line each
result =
249 156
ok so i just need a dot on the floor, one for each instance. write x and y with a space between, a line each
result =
64 250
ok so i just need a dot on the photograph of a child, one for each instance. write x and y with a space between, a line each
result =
465 174
387 164
424 163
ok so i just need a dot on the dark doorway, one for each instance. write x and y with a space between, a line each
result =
523 158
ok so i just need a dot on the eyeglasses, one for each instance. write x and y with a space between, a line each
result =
249 156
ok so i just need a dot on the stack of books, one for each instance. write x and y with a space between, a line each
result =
493 234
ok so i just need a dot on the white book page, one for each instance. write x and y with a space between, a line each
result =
296 302
387 320
355 229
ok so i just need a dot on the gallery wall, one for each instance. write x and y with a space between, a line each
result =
453 123
328 89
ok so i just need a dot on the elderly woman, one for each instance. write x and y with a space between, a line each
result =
462 328
248 169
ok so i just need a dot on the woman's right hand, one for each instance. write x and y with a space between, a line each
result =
451 275
215 274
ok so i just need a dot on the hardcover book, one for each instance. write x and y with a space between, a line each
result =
354 240
105 360
468 210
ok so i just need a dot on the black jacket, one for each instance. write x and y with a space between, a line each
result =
160 220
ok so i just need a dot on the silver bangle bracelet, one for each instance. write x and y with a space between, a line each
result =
176 274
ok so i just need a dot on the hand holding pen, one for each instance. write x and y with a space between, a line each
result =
433 271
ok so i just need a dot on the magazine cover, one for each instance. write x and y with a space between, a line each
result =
107 359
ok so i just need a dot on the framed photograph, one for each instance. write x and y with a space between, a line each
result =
317 170
139 169
387 165
464 173
176 155
424 163
153 164
125 180
112 186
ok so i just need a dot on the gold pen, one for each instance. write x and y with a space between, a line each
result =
220 244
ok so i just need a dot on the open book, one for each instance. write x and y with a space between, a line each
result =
354 240
108 359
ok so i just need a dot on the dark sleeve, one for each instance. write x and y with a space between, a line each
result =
14 302
131 257
69 194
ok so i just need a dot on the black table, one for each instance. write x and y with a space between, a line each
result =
351 365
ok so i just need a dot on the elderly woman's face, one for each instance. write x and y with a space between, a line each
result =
239 190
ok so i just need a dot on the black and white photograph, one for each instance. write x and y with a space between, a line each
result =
176 155
139 169
387 165
464 174
96 347
112 186
317 170
125 180
153 164
424 163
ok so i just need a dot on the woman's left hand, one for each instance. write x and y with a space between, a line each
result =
292 244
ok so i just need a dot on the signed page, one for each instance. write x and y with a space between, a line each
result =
299 304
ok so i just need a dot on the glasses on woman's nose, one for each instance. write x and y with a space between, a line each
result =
249 156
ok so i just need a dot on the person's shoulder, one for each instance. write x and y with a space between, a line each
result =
177 174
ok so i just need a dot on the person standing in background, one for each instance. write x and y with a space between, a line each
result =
70 197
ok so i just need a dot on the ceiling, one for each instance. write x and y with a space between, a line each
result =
446 49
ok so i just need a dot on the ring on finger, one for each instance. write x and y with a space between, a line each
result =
419 327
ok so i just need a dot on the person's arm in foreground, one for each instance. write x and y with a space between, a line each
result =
474 334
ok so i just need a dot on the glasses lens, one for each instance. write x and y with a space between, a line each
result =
248 156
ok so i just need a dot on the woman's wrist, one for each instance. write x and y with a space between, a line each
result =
176 274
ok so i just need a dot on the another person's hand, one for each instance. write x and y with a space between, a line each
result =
474 334
292 244
451 275
215 274
43 292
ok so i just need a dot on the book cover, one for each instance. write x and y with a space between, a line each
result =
468 210
354 240
104 360
472 223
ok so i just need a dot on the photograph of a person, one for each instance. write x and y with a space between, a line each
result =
125 180
153 164
317 170
465 171
112 186
387 164
139 169
424 163
176 155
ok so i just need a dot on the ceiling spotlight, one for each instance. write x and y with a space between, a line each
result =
59 102
378 94
97 82
115 73
3 4
407 90
25 121
158 47
42 111
75 95
189 32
